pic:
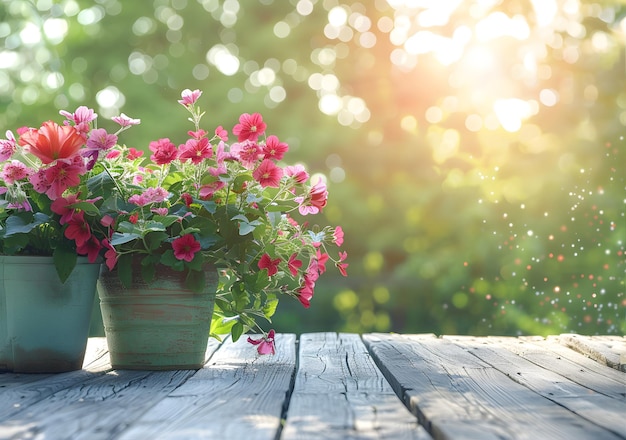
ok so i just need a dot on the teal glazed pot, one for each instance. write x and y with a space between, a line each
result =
156 326
44 324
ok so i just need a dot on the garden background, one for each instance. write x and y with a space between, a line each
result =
474 149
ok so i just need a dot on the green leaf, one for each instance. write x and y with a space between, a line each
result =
195 280
237 331
154 240
88 207
119 238
125 270
64 261
16 224
269 308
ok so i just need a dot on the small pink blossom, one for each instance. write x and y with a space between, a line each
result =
265 344
160 211
297 172
250 127
124 121
13 171
338 236
185 247
7 146
81 118
189 97
133 154
294 264
221 133
110 256
99 139
314 201
150 195
62 206
248 153
207 191
62 175
341 265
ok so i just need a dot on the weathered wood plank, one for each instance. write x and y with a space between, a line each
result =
237 395
89 405
607 350
339 393
552 355
458 395
547 375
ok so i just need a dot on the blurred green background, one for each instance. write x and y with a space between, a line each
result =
473 149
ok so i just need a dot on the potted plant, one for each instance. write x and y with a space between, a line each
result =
199 238
48 272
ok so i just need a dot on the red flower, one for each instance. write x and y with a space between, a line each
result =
78 229
294 264
185 247
307 289
62 207
250 127
268 174
266 343
266 262
133 154
52 141
342 266
195 150
91 248
163 151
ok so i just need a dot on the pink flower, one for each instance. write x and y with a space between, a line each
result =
62 206
266 262
99 139
297 172
110 256
221 133
195 150
338 236
197 134
265 344
78 229
81 118
189 97
220 156
160 211
185 247
62 175
307 289
293 264
91 248
250 127
150 195
268 174
207 191
248 153
7 146
163 151
14 170
113 154
274 149
133 154
124 121
314 201
342 266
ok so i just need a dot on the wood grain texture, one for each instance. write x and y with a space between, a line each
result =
458 394
239 394
339 393
609 350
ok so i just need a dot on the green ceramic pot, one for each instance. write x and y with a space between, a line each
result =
156 326
44 324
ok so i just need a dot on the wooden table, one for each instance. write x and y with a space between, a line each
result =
338 386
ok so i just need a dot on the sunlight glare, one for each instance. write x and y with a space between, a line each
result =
511 112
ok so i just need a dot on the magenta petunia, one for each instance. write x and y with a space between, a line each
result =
185 247
265 344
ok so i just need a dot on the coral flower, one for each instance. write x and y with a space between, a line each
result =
163 151
52 141
185 247
274 149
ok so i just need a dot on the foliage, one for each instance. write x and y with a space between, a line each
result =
474 149
203 202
